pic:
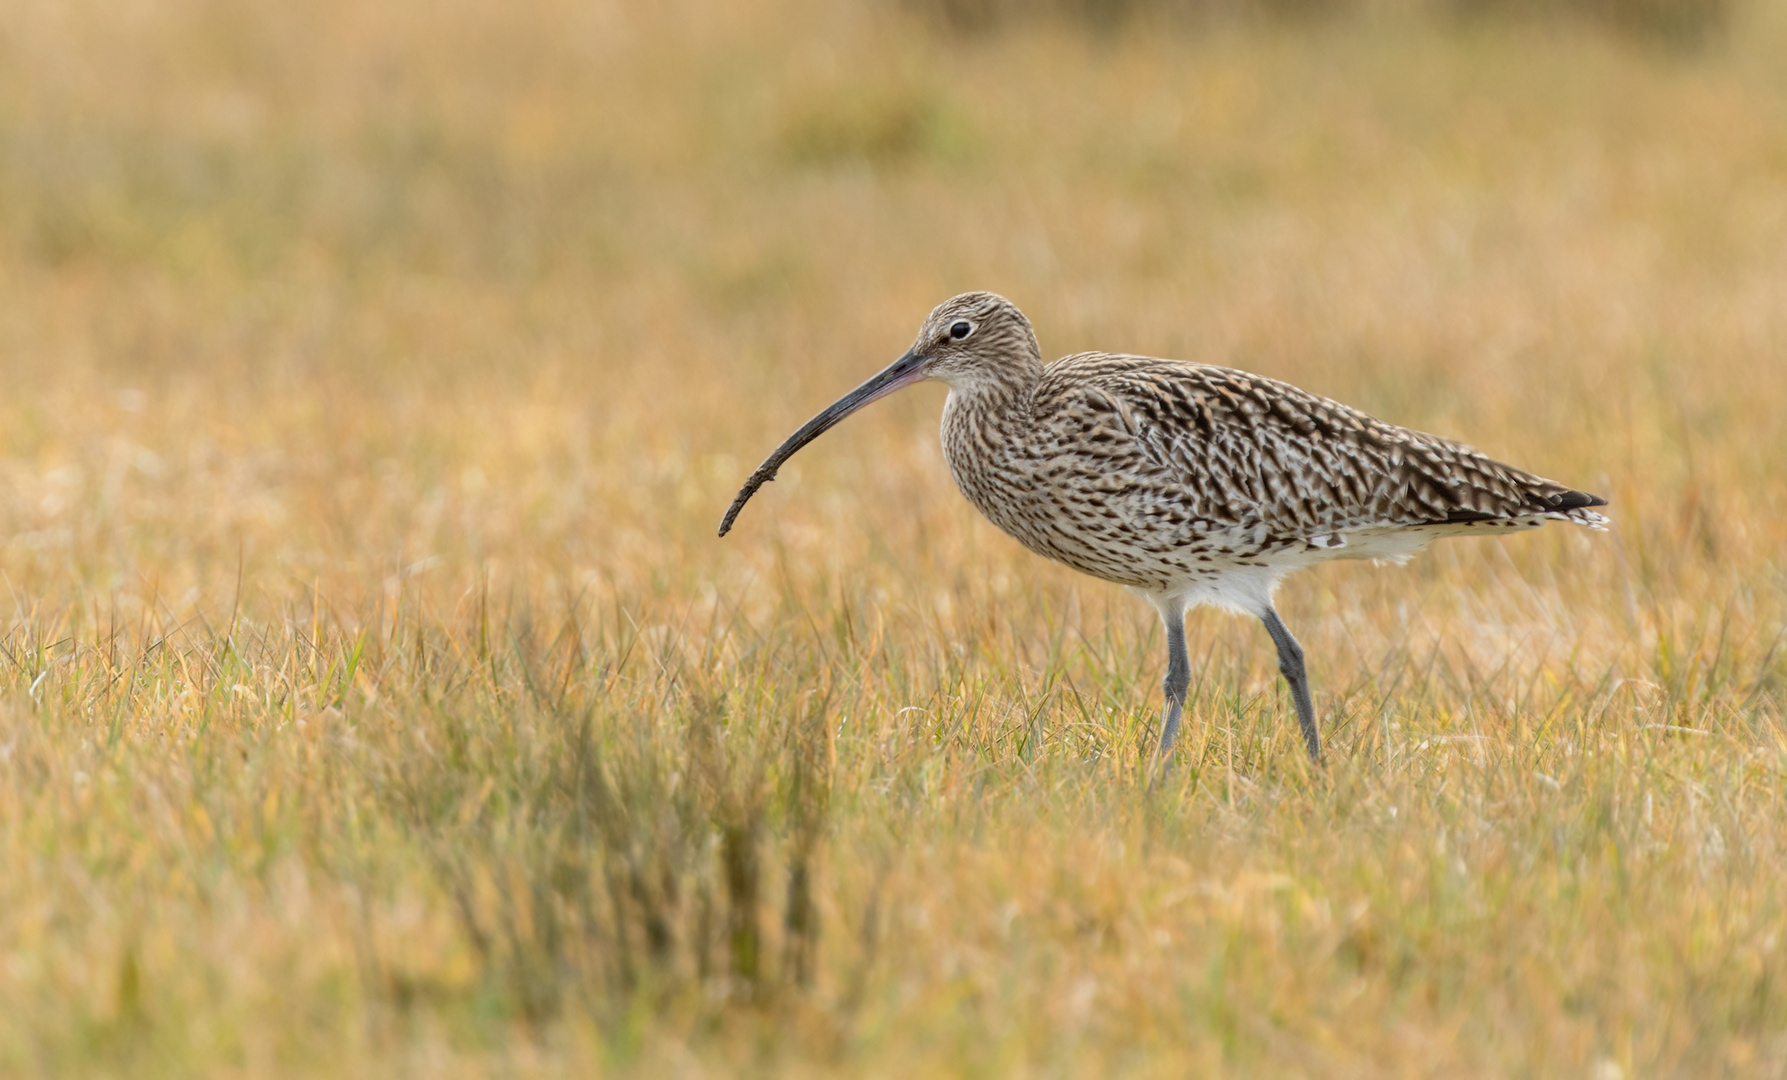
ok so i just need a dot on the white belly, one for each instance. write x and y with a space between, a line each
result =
1245 584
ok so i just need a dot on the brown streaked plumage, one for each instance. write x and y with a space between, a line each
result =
1188 483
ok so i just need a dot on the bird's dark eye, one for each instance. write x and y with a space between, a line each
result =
961 330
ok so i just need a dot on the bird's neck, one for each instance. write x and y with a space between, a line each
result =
1000 387
985 424
983 410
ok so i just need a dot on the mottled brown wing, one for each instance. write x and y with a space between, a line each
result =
1237 449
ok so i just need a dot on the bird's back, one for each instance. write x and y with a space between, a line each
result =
1145 471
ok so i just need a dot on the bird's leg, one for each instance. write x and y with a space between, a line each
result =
1178 678
1290 664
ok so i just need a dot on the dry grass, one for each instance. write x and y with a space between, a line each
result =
375 698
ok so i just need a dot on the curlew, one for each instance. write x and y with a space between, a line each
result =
1188 483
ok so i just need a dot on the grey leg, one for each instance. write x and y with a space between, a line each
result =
1290 664
1178 678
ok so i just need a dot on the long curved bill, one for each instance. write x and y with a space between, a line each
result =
901 373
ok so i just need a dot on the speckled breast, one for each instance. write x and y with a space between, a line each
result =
1111 523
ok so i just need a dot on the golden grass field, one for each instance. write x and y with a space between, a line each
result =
376 699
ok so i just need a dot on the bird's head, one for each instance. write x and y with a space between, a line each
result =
973 341
976 339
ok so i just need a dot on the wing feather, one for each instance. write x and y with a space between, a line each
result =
1239 451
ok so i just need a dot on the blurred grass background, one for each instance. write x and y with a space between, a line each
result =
376 700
